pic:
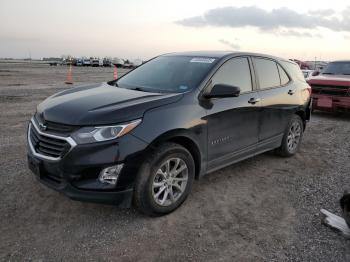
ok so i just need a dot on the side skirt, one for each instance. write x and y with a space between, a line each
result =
250 151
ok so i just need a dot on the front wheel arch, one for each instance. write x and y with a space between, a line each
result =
185 139
143 198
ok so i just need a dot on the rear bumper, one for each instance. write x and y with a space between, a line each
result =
330 103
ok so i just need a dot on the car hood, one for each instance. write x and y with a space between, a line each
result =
336 80
100 104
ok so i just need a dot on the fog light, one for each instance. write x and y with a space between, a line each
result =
110 174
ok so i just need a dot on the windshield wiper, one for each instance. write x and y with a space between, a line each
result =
327 73
138 89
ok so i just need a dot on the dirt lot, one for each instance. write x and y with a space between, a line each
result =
262 209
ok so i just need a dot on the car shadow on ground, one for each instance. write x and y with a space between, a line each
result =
332 115
209 182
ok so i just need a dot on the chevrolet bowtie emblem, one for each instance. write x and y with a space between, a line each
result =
42 127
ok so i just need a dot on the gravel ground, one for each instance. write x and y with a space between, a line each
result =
262 209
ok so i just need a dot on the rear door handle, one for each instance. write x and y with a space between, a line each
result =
291 92
254 100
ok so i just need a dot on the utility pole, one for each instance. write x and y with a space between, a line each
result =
315 62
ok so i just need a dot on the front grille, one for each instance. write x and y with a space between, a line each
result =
46 145
331 90
54 128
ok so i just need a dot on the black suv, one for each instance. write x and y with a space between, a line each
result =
145 137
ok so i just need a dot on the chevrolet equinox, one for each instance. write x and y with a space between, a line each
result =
144 138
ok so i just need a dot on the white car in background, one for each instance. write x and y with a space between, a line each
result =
79 62
133 63
86 61
118 62
137 62
95 62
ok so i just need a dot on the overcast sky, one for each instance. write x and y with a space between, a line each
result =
143 29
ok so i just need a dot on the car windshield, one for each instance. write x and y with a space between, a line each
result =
169 74
337 68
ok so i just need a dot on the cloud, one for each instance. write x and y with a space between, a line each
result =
322 12
12 38
230 44
270 20
294 33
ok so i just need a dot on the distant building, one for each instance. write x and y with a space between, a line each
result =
58 59
317 65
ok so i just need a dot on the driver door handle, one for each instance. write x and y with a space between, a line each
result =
254 100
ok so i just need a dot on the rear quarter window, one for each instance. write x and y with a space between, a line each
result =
293 70
283 75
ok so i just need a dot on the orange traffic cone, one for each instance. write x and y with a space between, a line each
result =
69 76
115 73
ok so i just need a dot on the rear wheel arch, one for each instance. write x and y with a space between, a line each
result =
292 137
303 116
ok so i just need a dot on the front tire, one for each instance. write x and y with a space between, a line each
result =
164 180
292 137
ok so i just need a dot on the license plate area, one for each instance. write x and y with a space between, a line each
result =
325 102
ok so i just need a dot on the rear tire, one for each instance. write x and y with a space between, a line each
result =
345 206
292 137
164 180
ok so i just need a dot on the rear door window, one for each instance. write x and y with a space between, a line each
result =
235 72
267 73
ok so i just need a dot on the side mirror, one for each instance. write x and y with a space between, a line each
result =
315 73
222 90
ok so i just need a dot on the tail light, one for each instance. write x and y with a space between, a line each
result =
309 89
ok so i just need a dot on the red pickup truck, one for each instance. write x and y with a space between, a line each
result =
331 87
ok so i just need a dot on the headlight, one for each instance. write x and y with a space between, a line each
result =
103 133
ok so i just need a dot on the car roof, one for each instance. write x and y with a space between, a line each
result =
222 54
214 54
340 61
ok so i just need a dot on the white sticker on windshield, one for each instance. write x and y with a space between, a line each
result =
202 60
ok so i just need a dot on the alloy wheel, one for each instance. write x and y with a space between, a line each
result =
170 181
294 136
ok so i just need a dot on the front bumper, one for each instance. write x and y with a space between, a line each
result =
76 173
122 198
